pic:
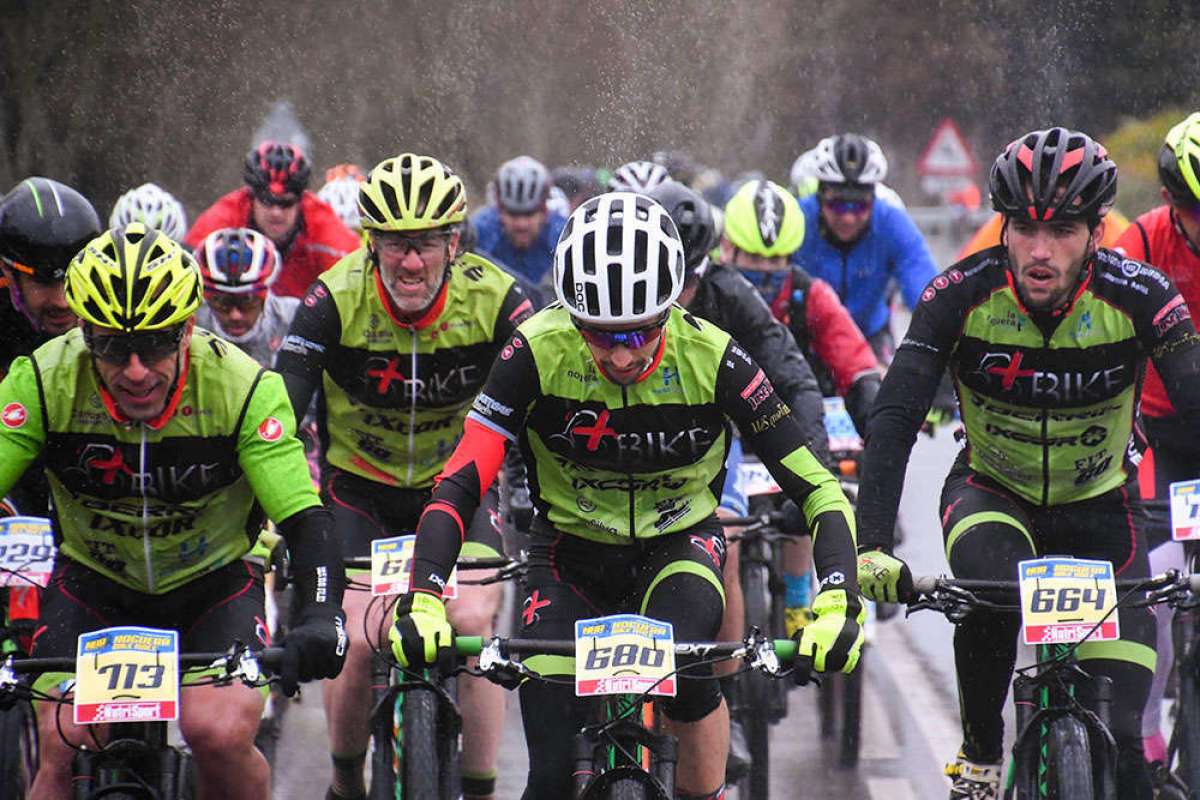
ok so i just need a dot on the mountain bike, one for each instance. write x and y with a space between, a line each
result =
136 762
1063 749
618 756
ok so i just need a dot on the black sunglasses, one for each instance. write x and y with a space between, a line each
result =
150 347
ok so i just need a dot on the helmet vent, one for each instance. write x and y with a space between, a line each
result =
134 236
389 196
614 290
423 198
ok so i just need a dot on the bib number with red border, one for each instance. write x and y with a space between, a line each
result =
624 654
391 567
1185 510
26 551
1063 599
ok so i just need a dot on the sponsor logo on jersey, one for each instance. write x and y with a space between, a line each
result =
270 429
1066 386
14 415
1170 315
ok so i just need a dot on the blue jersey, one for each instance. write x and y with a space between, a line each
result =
892 247
533 263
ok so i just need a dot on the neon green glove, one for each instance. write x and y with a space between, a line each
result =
834 639
421 633
884 578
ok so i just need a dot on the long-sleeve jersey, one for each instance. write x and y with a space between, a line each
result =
1047 398
615 463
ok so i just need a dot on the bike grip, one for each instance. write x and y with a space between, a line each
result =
924 584
467 646
791 518
269 659
786 650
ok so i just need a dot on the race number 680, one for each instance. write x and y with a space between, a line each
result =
624 655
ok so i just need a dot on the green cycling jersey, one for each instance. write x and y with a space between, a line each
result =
154 505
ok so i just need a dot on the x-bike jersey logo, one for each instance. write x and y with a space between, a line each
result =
1011 371
533 604
386 374
591 424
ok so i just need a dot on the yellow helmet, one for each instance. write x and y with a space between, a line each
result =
134 279
764 219
411 193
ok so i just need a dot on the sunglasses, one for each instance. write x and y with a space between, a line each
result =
150 347
277 200
228 302
847 206
427 246
607 340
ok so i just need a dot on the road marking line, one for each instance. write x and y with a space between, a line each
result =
891 788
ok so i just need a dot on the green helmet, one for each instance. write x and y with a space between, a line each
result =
1179 161
763 219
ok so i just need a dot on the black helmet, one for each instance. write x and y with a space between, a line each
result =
43 224
276 168
693 218
1025 180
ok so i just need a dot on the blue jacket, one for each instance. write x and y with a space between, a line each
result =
892 247
533 263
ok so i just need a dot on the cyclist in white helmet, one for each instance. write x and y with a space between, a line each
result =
152 205
638 176
805 178
239 265
342 196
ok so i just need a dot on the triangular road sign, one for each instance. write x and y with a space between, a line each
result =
947 153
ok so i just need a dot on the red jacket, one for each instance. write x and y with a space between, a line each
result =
320 242
1155 238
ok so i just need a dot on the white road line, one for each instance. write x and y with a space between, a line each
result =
890 789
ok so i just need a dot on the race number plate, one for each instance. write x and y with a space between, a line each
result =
843 436
1062 599
391 567
1185 510
26 551
127 675
623 654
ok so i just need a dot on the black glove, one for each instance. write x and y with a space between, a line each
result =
315 647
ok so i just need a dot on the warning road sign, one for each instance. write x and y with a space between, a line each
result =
947 153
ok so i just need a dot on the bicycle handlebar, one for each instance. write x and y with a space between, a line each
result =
467 646
270 659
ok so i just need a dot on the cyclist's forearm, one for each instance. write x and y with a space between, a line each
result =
316 555
833 549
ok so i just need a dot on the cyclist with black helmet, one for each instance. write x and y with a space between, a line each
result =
239 267
1168 237
163 447
43 224
152 205
1046 336
276 202
857 245
520 230
621 403
398 337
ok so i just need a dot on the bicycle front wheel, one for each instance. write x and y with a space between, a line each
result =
1185 738
18 733
418 748
753 687
1070 760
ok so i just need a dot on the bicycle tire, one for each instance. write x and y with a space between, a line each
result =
851 708
383 759
17 756
420 770
1185 738
627 789
754 687
1070 760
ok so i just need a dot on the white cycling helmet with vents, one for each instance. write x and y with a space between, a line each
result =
619 260
154 207
521 185
848 158
342 196
638 176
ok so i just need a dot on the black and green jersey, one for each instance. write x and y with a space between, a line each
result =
394 394
155 505
614 463
1048 399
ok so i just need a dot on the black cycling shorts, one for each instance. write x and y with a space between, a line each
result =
210 612
365 510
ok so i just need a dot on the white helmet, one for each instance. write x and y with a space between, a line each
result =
152 206
342 195
619 260
557 201
804 169
848 158
638 176
521 185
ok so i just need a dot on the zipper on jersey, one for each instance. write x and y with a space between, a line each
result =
146 550
412 406
632 493
1045 437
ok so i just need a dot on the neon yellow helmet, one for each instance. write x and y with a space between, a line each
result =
763 219
1179 161
411 193
134 278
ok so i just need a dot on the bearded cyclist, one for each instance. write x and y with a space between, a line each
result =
520 230
858 245
592 389
1169 238
1045 336
398 337
124 409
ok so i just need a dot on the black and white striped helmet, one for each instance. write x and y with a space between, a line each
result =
619 260
521 185
848 158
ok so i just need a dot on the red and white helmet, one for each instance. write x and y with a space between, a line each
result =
238 261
